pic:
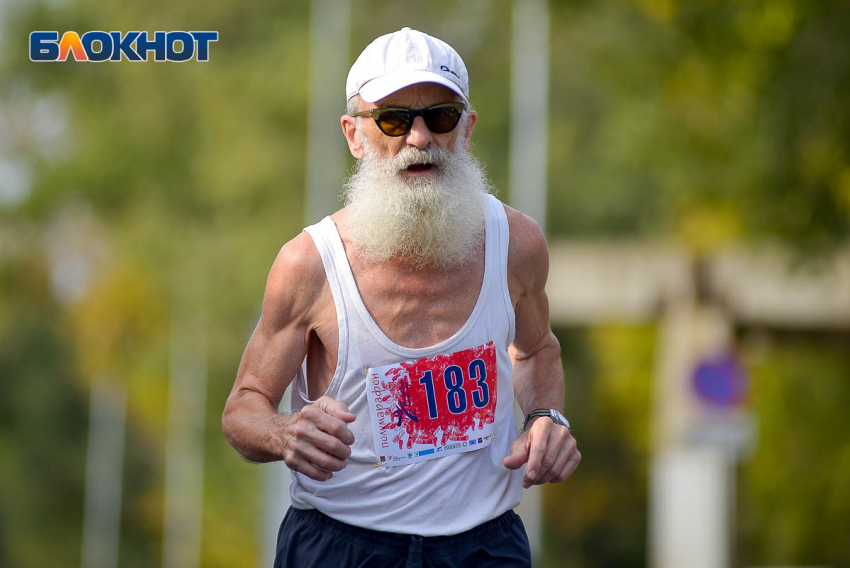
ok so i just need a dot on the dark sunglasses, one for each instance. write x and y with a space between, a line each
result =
397 121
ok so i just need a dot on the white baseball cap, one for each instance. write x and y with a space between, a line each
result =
403 58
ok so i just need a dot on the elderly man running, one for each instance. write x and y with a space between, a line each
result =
395 316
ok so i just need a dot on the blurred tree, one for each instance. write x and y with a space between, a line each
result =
795 496
598 517
43 424
725 116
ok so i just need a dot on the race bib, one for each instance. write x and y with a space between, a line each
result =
433 407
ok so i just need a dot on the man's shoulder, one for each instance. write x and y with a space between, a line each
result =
528 257
527 238
298 258
297 277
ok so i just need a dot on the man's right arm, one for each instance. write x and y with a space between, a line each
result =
314 441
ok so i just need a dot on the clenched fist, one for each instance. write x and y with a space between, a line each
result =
316 440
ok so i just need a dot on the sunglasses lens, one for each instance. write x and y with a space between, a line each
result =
397 122
393 122
441 119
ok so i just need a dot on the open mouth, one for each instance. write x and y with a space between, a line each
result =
420 168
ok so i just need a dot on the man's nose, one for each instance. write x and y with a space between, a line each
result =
419 134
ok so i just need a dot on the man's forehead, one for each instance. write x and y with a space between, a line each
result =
419 95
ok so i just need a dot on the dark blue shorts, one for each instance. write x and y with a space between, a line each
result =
308 538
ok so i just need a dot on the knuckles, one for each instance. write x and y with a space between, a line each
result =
326 463
311 412
338 430
298 449
346 451
301 430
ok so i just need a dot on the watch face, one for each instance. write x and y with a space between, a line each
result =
559 418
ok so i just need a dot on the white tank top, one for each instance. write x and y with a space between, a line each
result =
442 421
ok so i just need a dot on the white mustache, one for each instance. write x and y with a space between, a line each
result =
409 156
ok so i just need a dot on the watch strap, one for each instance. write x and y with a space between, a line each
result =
541 412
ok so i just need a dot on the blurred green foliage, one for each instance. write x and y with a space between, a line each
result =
794 493
599 517
708 121
43 424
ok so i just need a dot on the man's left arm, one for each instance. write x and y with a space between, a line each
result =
548 448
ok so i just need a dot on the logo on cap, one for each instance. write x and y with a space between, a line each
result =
447 70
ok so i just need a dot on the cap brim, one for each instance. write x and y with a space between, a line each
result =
384 86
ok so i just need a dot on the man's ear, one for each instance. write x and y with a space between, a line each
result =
349 129
473 118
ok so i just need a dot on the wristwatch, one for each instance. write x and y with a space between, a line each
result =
556 417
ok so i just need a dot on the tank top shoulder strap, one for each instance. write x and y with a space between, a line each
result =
324 234
500 242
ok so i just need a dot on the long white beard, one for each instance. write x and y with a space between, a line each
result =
435 221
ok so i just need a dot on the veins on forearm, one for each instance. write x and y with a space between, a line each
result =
255 430
539 377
